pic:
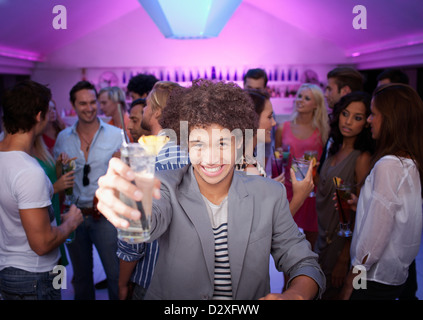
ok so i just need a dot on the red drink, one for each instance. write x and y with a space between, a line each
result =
277 167
344 194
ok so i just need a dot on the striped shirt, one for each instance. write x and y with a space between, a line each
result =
169 158
222 273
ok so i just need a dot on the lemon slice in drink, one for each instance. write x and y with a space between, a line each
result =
337 181
153 144
72 165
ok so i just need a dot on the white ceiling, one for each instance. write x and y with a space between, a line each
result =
27 24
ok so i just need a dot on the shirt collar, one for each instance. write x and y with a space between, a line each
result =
73 127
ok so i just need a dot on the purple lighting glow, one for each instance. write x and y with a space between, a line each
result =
19 54
388 46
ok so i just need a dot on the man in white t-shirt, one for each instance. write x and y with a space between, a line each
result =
29 236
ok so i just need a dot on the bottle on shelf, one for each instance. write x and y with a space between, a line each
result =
213 73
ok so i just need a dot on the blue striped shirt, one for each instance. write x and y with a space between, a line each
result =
169 158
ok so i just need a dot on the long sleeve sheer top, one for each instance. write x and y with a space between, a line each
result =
388 225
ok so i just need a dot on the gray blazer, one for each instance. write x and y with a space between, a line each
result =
259 224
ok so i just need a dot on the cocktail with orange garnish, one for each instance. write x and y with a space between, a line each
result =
141 157
343 194
312 155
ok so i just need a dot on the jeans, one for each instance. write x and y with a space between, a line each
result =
103 235
17 284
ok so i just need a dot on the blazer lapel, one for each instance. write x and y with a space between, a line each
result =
240 218
190 199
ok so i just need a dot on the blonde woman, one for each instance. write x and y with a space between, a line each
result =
54 173
110 98
307 130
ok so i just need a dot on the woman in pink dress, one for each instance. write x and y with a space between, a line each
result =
307 131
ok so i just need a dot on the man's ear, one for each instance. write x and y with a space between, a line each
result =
157 114
38 117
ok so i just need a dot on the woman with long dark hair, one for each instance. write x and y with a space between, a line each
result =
388 223
349 159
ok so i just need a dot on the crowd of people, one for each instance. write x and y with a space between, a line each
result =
218 214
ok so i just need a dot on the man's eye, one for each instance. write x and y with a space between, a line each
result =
224 144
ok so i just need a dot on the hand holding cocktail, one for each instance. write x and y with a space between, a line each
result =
66 177
312 155
301 166
118 179
141 157
68 169
119 182
65 181
70 215
301 188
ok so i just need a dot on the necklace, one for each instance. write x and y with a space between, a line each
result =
85 141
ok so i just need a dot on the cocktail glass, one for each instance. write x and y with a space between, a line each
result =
72 235
280 160
312 155
286 152
277 165
143 164
300 167
69 197
309 155
343 194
